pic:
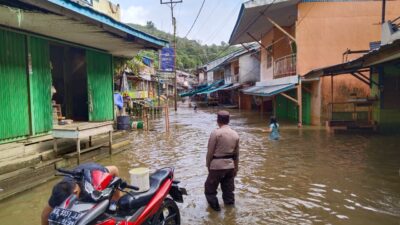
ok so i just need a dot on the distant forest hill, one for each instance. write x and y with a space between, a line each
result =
190 53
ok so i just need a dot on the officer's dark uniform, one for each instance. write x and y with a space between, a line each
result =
222 163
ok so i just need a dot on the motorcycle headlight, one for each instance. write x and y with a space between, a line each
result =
107 191
95 194
89 187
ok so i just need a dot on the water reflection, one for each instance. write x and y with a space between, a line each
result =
308 177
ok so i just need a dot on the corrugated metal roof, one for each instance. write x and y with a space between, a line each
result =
267 91
66 21
252 18
234 55
100 17
214 89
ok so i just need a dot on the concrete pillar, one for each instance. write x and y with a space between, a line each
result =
300 103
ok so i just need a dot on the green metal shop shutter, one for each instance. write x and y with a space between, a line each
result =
40 86
306 108
281 107
14 115
100 90
287 109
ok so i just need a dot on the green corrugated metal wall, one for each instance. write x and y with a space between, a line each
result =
99 72
306 108
288 110
40 86
14 113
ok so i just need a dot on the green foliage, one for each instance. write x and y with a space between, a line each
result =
119 65
135 65
190 53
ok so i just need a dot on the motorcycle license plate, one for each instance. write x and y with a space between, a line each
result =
61 216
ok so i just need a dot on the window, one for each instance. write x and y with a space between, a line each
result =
269 57
236 67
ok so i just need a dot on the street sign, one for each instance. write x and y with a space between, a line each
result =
167 62
166 76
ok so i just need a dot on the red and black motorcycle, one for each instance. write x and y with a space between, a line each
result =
95 207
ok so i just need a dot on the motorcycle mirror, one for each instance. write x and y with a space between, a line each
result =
132 187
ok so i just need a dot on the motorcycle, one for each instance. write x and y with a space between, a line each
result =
94 206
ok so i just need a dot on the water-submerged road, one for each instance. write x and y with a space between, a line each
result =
308 177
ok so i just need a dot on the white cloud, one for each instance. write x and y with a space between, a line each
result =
134 14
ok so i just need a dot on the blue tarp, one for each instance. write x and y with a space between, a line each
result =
118 100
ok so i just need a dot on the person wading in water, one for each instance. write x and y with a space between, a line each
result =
273 129
222 162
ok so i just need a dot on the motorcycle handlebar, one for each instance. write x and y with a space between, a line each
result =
124 185
132 187
72 174
75 174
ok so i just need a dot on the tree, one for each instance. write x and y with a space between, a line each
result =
190 53
150 25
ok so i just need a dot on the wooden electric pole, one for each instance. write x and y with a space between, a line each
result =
171 4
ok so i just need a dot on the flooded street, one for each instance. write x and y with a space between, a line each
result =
308 177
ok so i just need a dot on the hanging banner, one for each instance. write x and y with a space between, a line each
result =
167 62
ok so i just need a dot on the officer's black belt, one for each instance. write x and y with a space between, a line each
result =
225 157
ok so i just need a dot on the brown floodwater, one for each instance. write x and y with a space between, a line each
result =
307 177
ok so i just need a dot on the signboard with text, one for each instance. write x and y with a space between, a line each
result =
167 60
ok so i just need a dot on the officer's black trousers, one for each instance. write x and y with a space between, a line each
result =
226 178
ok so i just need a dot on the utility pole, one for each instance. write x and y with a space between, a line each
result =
172 4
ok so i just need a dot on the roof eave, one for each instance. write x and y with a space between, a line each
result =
235 35
87 14
236 24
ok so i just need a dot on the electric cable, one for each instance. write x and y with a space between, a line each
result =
198 14
207 18
252 23
217 31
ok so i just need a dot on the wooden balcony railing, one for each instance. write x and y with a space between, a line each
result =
285 66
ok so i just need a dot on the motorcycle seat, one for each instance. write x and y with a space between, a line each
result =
136 200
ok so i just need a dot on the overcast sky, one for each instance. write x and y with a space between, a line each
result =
215 23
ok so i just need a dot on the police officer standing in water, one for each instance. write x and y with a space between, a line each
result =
222 162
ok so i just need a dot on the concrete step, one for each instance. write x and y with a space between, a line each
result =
11 151
39 166
26 178
19 163
35 145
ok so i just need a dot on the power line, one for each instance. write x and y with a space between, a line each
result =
252 23
217 31
208 16
201 7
